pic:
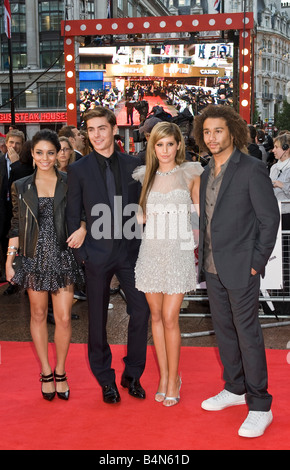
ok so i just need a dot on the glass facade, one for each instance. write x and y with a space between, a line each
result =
50 15
18 41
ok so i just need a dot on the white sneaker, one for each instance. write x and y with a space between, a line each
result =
256 423
110 306
223 400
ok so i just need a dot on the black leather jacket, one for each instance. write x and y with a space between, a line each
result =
24 223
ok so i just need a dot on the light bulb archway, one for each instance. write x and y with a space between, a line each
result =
240 22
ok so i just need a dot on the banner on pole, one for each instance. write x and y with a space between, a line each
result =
7 18
217 5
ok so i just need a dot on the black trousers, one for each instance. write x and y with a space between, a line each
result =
240 340
98 279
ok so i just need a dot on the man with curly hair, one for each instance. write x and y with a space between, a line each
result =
239 219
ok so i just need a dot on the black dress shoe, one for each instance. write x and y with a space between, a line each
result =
11 289
134 386
111 393
114 290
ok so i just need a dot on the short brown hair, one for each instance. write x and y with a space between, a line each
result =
67 131
237 126
15 133
100 111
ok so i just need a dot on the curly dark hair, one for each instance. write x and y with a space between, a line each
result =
237 126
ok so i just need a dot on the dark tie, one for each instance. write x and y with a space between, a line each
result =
110 181
111 189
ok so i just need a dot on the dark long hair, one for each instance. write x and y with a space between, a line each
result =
48 136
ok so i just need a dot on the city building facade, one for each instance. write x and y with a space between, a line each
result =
37 51
38 62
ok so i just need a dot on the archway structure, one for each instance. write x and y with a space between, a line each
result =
241 23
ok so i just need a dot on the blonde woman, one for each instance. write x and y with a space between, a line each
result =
165 268
66 155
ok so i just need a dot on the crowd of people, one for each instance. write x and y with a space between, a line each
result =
182 97
56 239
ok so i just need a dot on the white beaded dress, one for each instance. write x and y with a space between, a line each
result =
166 261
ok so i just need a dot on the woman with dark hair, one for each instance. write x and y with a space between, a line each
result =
165 269
39 258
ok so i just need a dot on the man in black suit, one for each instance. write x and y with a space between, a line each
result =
14 142
239 219
107 251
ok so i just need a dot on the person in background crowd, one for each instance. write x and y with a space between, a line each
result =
253 148
260 140
76 139
66 155
239 220
87 147
39 258
14 142
145 131
130 105
280 176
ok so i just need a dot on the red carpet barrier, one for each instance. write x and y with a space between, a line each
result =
85 422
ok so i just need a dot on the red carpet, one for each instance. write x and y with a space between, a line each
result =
152 101
85 422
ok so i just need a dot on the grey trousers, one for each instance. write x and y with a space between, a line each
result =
240 340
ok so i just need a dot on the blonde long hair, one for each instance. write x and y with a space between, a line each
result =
160 131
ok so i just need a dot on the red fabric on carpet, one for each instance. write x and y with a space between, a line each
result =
85 422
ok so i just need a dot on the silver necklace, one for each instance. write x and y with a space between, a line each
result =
165 173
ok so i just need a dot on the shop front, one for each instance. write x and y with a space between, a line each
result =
170 73
31 122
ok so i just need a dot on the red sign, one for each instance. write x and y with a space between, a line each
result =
38 117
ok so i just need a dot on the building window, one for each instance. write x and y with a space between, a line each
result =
18 41
19 57
52 95
130 10
49 52
18 18
50 15
20 101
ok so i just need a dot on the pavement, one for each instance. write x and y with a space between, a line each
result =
195 320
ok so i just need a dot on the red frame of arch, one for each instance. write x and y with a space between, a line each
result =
243 23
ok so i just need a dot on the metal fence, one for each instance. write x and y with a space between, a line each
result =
274 303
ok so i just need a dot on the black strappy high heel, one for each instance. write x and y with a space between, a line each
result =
61 378
46 379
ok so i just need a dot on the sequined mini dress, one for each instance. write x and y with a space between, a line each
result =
51 268
166 261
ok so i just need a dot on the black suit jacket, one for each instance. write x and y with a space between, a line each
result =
17 170
3 194
86 193
244 223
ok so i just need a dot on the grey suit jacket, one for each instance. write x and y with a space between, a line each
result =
245 221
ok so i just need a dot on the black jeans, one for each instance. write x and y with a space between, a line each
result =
240 340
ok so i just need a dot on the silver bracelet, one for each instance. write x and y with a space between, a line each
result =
11 253
12 247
